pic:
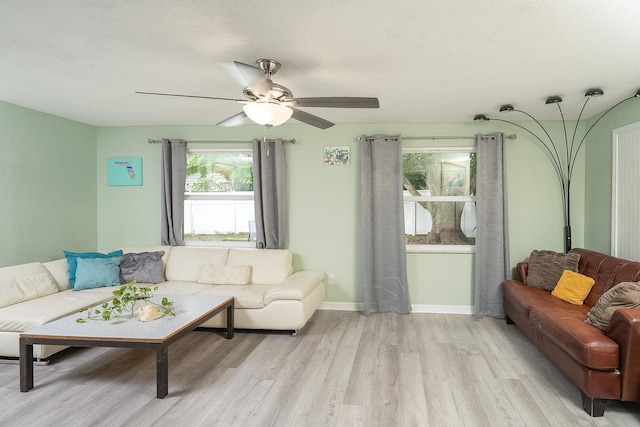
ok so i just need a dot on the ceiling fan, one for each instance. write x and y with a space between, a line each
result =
270 104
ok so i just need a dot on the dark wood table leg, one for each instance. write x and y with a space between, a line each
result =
230 330
162 372
26 365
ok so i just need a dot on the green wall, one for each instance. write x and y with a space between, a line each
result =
324 201
55 196
598 163
47 186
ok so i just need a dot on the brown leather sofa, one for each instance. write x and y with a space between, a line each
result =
603 365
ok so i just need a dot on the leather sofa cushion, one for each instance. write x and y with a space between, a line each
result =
25 282
225 274
607 271
29 314
185 262
59 269
175 287
268 266
247 296
523 298
566 328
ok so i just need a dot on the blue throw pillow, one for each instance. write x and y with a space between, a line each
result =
97 272
72 260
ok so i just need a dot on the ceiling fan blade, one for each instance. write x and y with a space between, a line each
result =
193 96
310 119
337 102
235 120
252 75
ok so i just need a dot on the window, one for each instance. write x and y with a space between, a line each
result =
439 199
218 204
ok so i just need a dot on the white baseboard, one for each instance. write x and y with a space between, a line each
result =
415 308
341 306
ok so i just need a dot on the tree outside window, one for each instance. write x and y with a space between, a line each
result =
439 192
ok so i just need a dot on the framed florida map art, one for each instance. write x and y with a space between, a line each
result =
124 171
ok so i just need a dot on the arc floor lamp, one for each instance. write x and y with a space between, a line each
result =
562 157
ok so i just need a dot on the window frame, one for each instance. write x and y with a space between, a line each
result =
219 196
457 249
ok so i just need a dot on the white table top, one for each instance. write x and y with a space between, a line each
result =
188 308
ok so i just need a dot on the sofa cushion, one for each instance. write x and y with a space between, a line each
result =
29 314
72 260
607 271
268 266
566 328
97 272
185 262
573 287
524 298
246 297
177 287
59 269
143 267
25 288
295 287
546 267
225 274
623 295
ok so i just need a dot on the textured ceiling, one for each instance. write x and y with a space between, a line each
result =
426 60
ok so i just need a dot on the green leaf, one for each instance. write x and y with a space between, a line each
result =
81 320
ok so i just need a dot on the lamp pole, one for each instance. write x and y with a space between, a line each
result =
569 154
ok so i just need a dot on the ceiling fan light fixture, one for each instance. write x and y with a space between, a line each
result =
267 113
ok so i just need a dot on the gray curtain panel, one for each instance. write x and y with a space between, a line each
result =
492 264
384 264
174 176
270 193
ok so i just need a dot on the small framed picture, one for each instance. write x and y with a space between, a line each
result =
337 155
124 171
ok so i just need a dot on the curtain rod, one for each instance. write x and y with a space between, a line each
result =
288 141
416 138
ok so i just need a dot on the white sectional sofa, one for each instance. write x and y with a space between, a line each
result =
273 298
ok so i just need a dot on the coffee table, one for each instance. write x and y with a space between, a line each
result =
191 311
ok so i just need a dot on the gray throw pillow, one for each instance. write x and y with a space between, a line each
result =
622 295
143 267
546 267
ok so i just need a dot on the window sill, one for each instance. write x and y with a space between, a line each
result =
441 249
225 244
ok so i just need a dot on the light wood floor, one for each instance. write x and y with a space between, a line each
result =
342 370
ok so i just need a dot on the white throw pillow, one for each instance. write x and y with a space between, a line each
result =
225 274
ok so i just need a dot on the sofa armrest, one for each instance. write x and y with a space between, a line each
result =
521 269
624 328
294 287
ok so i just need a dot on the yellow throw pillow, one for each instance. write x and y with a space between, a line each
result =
573 287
